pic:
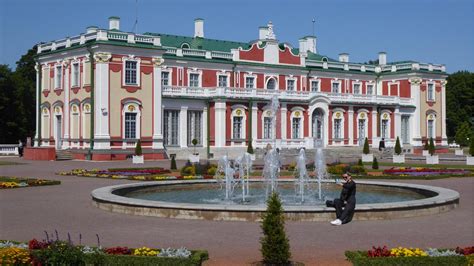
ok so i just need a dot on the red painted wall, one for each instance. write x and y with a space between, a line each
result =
260 81
385 88
287 58
393 90
209 78
405 90
254 54
326 84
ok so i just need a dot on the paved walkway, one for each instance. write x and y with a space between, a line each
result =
26 213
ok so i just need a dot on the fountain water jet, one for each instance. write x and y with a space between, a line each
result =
320 167
303 178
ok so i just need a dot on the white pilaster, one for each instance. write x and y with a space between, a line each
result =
101 101
157 104
350 124
204 127
183 127
65 143
398 124
220 123
375 138
254 123
443 113
283 120
415 122
38 97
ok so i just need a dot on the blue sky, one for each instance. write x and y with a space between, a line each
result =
440 32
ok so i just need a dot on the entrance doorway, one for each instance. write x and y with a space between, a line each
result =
318 127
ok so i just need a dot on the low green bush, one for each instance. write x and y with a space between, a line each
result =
357 169
360 258
196 258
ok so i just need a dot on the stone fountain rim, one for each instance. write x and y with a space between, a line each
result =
105 195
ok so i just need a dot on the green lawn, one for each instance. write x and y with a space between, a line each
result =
9 163
436 166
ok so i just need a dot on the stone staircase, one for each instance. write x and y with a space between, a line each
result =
63 155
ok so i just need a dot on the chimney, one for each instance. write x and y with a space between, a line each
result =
262 32
114 23
199 28
344 57
302 42
91 29
307 43
382 58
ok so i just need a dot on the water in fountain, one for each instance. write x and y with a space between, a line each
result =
243 165
224 169
271 169
320 167
302 180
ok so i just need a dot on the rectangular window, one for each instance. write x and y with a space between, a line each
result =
405 129
337 128
290 85
130 72
170 127
249 82
194 127
165 78
370 89
430 92
130 125
296 128
75 75
59 77
384 128
356 89
335 87
237 121
315 85
430 129
222 81
267 127
193 80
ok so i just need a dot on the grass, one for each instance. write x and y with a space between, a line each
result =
435 166
9 163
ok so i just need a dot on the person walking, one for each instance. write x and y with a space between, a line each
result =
20 148
345 204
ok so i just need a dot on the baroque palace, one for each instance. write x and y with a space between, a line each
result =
101 91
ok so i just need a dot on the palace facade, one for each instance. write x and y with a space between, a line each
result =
101 91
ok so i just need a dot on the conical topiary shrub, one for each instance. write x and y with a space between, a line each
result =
138 148
173 163
366 149
250 148
427 146
360 162
398 148
275 246
432 148
375 164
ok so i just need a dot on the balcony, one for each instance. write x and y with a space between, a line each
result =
263 94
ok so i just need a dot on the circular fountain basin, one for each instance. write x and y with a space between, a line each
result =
186 200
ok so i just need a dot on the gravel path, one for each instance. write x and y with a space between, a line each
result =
26 213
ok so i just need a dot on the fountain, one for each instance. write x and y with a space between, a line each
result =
272 163
302 181
224 169
243 164
320 168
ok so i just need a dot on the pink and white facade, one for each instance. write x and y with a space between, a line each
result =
102 90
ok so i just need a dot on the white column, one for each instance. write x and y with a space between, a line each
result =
204 126
38 97
415 133
65 143
254 123
443 113
398 124
283 120
351 125
220 123
157 104
101 101
183 127
375 138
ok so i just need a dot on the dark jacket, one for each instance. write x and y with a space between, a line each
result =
348 192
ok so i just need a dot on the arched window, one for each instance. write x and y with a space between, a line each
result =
75 120
385 125
267 124
297 123
338 125
431 125
271 84
185 46
362 123
238 123
86 121
45 123
318 123
131 121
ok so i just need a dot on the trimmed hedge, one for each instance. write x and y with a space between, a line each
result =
360 258
196 258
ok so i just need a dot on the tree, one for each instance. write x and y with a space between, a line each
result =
366 149
459 100
275 246
375 163
432 148
426 146
194 142
463 133
173 163
360 163
138 148
398 148
471 147
250 148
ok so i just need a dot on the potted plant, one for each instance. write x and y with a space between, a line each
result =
462 137
250 150
375 163
470 157
367 156
138 157
194 158
398 157
432 158
426 148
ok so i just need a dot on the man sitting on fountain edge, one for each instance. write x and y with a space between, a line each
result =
345 204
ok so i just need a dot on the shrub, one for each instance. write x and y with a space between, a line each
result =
14 256
250 148
212 170
471 147
138 148
275 245
463 133
360 162
173 163
188 170
432 148
337 169
375 164
357 169
292 166
398 148
361 258
427 146
366 149
58 253
194 142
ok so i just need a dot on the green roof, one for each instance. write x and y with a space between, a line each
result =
199 43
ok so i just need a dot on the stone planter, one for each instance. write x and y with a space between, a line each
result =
252 156
426 153
138 159
470 160
432 159
367 158
194 158
459 152
399 158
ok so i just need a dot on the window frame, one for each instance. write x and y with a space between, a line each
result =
288 80
137 71
311 85
132 107
433 91
254 83
169 128
75 77
338 82
58 76
360 88
168 79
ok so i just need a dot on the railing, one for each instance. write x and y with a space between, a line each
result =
216 54
286 143
8 149
194 52
117 36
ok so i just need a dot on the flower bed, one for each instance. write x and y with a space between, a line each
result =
57 252
142 174
412 256
18 182
420 171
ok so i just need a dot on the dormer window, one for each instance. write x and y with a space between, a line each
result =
185 46
131 73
